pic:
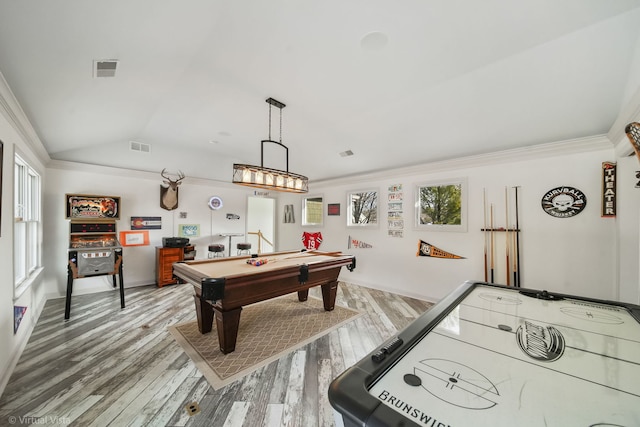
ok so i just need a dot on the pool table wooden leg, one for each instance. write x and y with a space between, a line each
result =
227 323
329 291
303 295
204 311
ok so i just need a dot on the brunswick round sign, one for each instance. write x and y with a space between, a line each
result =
564 202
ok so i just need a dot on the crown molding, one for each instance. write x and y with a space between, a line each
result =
551 149
13 112
130 173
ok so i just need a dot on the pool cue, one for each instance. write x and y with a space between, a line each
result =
493 241
484 214
312 253
517 248
513 258
506 234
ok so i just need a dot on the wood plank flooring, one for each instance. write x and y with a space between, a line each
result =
112 367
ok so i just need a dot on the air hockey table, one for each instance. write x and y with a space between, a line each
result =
490 355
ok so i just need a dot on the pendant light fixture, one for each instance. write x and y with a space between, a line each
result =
267 178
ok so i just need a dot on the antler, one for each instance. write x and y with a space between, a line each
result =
181 176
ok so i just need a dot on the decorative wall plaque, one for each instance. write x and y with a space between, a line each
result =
564 202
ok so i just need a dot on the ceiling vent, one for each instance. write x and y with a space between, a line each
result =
346 153
140 147
105 68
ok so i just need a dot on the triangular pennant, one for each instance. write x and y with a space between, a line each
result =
427 249
355 243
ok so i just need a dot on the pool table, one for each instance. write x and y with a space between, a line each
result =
222 286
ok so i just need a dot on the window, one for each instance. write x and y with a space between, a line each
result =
27 250
441 206
312 211
362 209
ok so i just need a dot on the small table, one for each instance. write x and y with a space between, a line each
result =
491 355
223 286
230 235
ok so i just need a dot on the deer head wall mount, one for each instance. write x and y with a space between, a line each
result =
169 191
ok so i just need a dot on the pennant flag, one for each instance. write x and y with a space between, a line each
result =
18 314
426 249
355 243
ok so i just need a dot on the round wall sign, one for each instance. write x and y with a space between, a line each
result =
215 202
564 202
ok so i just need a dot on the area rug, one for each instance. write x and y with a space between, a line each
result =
268 330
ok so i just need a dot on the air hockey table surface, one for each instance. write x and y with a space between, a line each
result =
490 355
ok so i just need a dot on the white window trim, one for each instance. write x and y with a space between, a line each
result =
32 212
462 227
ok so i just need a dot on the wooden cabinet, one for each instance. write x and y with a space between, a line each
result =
165 257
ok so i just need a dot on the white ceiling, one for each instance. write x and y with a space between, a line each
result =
397 82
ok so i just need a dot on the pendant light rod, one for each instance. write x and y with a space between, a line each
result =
280 105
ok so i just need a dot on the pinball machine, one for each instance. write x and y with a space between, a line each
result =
94 249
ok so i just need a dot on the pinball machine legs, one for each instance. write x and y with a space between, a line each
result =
67 305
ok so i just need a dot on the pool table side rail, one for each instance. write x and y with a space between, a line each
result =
187 270
242 289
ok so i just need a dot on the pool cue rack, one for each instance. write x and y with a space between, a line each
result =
511 245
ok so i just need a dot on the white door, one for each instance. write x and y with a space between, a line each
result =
261 233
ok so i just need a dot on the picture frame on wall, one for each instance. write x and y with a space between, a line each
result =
189 230
134 238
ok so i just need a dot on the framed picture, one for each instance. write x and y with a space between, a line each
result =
134 238
189 230
333 209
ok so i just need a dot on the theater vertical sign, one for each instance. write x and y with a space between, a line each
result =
608 189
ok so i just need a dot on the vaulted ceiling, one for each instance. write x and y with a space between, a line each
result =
396 82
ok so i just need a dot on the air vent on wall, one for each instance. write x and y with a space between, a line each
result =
105 68
139 146
346 153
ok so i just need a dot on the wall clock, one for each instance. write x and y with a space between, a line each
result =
215 203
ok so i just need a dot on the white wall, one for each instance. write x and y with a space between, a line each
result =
575 255
17 136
